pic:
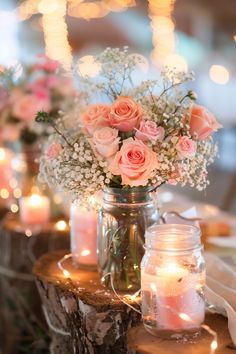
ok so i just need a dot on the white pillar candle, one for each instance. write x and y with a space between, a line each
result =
174 297
34 209
83 235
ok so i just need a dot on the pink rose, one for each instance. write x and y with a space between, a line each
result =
134 162
126 114
106 141
26 106
95 117
186 147
54 151
149 130
202 122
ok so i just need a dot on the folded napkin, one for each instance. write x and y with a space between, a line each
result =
229 241
221 289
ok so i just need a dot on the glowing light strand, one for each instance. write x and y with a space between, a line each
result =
183 316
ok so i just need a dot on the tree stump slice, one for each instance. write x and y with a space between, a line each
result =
91 319
141 342
20 303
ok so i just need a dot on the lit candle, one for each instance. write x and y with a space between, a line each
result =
5 173
174 292
34 209
83 235
173 278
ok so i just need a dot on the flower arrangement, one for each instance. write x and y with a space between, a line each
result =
24 90
131 135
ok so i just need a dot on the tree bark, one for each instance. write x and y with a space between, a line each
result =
21 315
84 316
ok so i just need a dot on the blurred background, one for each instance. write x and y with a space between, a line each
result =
196 34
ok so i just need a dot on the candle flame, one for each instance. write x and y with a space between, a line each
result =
185 317
35 199
85 252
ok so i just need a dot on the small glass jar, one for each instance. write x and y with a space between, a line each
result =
172 280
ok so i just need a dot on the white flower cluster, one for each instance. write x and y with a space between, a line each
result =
160 121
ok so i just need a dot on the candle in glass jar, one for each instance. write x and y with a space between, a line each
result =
34 209
173 279
5 172
83 235
174 297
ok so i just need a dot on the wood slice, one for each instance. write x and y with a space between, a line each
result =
84 316
20 302
141 342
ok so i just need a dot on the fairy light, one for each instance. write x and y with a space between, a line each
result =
14 208
13 183
4 193
17 193
28 232
65 272
160 12
61 225
164 41
55 32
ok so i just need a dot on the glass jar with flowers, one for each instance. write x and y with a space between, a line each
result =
134 139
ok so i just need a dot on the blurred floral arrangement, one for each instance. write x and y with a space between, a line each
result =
24 90
143 135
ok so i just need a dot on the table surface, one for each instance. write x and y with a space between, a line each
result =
140 341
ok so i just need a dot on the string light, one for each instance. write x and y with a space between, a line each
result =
55 32
14 208
65 272
4 193
17 193
164 42
28 232
185 317
61 225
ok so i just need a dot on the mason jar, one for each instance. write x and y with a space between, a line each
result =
123 219
172 280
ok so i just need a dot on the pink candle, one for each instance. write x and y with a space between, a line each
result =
174 297
5 172
34 209
83 236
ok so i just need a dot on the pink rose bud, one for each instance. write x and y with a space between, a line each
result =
26 106
106 141
96 116
202 123
149 130
134 163
54 151
186 147
125 114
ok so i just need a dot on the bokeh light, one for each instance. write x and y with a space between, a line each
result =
219 74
